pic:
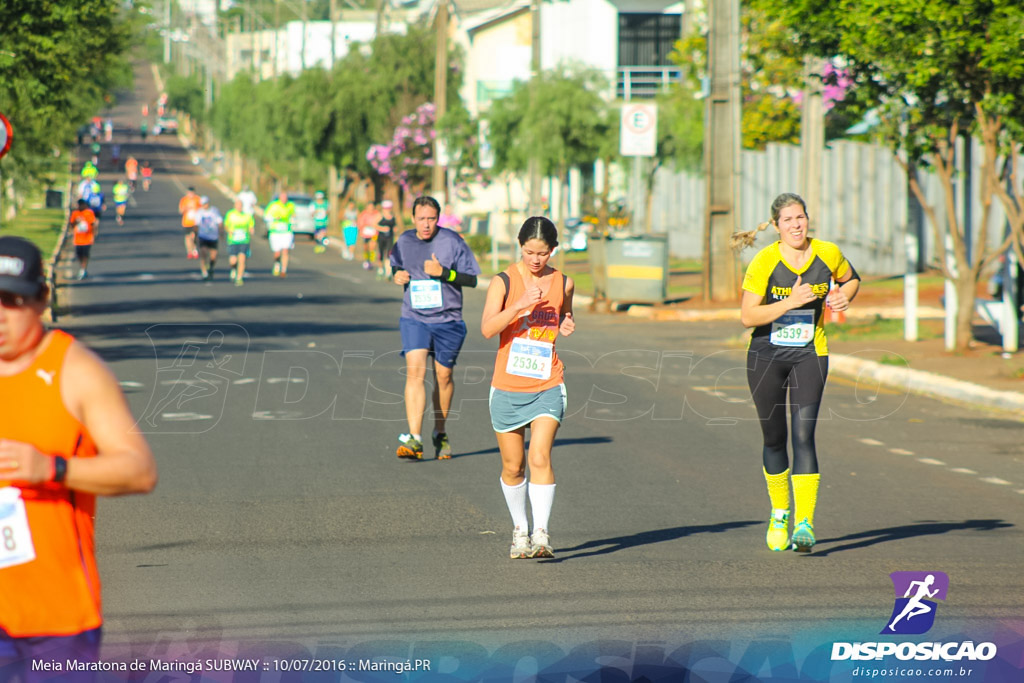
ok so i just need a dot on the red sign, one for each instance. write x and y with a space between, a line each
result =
5 135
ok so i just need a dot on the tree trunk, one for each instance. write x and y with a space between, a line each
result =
966 286
649 196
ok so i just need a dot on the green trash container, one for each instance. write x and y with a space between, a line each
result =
54 199
632 269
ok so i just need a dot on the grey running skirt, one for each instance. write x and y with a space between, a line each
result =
511 410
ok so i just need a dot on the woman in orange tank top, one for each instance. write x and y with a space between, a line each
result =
529 305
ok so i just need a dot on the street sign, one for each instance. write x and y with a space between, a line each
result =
638 132
5 135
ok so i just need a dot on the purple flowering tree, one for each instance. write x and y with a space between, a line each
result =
408 159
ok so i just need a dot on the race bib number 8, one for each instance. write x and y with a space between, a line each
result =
530 358
795 328
15 536
425 294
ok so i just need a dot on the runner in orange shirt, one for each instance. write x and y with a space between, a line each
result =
131 169
83 226
529 306
187 207
66 436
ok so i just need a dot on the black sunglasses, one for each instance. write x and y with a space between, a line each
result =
11 300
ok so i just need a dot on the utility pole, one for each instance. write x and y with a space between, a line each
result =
334 34
536 207
722 151
302 48
812 139
277 30
439 186
167 32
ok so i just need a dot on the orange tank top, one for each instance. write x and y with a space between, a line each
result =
58 592
527 361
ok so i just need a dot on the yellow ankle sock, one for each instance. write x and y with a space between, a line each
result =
805 495
778 489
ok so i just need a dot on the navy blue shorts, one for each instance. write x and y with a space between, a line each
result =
444 340
17 654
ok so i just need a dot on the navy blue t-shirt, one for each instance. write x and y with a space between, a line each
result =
427 299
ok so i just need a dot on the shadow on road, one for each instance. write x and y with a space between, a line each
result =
583 441
864 539
611 545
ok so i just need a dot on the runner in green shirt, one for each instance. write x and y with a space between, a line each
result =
321 211
239 226
279 216
120 192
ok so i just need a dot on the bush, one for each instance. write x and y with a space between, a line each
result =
480 244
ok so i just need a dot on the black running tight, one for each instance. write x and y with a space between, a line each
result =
769 382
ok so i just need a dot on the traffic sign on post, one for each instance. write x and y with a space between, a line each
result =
638 135
5 135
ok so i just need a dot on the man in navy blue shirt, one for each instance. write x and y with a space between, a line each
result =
433 264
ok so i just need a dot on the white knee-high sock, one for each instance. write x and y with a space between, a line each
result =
542 496
515 498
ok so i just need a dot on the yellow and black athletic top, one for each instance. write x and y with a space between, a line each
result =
768 275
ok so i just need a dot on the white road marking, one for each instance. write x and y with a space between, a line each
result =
995 480
184 417
962 470
871 442
930 461
901 451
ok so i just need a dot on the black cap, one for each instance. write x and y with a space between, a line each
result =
21 267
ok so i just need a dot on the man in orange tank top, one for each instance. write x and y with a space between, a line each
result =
66 436
188 207
83 228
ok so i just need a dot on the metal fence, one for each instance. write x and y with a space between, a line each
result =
866 209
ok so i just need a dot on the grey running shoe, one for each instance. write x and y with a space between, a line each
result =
520 549
442 448
540 544
409 447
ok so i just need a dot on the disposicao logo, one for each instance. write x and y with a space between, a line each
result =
914 610
912 614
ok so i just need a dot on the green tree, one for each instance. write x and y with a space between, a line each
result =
58 60
938 71
561 119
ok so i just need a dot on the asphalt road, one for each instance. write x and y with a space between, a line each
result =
284 518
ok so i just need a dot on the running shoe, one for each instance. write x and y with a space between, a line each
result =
319 249
803 537
277 270
239 282
442 447
540 544
234 272
409 447
778 530
520 549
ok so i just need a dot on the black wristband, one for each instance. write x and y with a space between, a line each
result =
60 469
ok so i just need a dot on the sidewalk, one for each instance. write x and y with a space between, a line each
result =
982 376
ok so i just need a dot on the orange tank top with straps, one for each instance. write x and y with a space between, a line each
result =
527 361
49 585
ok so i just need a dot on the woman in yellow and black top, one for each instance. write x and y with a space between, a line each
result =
784 293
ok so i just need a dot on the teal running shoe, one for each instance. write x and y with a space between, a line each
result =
803 537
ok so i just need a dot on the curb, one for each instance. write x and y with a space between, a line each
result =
927 384
697 315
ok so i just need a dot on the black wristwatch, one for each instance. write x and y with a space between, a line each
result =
60 469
